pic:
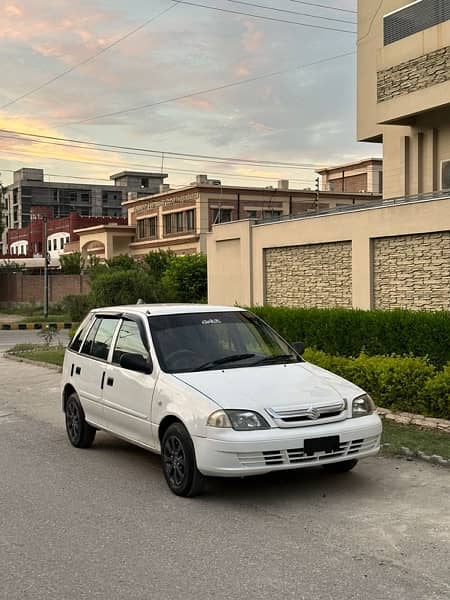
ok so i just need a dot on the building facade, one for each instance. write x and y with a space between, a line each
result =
360 176
29 190
404 91
29 241
180 220
394 255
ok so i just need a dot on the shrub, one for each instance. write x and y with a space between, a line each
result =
394 382
350 332
77 306
436 395
123 287
185 279
72 264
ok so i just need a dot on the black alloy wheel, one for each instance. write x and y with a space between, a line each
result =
79 432
178 461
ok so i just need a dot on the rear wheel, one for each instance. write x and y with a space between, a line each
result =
79 432
341 467
178 462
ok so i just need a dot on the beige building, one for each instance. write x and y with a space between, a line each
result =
404 91
360 176
393 255
180 220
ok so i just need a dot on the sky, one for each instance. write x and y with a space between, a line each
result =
304 115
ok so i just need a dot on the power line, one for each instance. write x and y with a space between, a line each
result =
89 58
292 12
166 152
208 90
214 162
59 175
328 7
146 166
265 18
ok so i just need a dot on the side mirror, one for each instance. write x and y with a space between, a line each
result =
299 347
135 362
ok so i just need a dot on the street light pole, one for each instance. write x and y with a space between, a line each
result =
46 261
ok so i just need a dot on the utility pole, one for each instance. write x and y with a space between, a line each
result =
317 193
46 262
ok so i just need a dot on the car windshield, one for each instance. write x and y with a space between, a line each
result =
216 340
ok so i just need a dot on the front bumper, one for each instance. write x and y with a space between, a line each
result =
229 453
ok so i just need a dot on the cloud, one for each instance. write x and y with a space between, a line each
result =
253 37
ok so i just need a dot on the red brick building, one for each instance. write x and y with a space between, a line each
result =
28 242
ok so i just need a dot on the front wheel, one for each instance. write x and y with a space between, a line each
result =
178 462
79 432
341 467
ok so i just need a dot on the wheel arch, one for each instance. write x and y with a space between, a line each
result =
68 390
166 423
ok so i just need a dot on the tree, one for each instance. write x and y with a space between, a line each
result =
72 264
123 287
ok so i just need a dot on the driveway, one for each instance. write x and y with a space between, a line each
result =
101 523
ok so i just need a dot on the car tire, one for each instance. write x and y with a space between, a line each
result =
341 467
79 432
178 462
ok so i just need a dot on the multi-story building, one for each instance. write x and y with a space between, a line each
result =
359 176
29 190
404 91
180 220
29 241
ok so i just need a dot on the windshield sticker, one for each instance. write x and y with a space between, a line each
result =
211 322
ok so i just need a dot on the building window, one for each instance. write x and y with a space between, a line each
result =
144 182
146 228
416 16
61 244
190 220
221 215
167 224
67 239
251 214
84 196
49 245
272 215
446 175
55 244
179 221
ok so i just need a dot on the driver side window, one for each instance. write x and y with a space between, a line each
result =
130 341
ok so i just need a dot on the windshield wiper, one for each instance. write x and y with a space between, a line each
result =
275 358
223 361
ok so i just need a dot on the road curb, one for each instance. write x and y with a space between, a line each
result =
36 326
405 418
28 361
435 459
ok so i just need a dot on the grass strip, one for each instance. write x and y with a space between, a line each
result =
415 438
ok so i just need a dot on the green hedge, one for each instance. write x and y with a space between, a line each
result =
399 383
350 332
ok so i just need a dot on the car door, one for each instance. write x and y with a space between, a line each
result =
89 367
127 393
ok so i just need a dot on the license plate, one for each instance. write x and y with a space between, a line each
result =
323 444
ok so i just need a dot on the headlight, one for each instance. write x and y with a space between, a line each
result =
239 420
363 406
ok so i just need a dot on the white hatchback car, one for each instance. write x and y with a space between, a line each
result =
214 390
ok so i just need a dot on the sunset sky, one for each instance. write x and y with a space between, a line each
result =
303 116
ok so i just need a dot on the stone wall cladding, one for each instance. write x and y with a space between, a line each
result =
316 275
412 271
425 71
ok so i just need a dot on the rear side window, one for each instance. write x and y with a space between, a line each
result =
75 344
99 338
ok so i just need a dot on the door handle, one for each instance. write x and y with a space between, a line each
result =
110 381
103 380
77 370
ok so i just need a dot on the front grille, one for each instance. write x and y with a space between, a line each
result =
292 456
308 415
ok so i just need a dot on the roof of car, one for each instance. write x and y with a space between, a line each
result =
167 309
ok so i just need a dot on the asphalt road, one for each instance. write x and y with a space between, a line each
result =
101 523
8 339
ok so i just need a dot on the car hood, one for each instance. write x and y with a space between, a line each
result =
257 388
